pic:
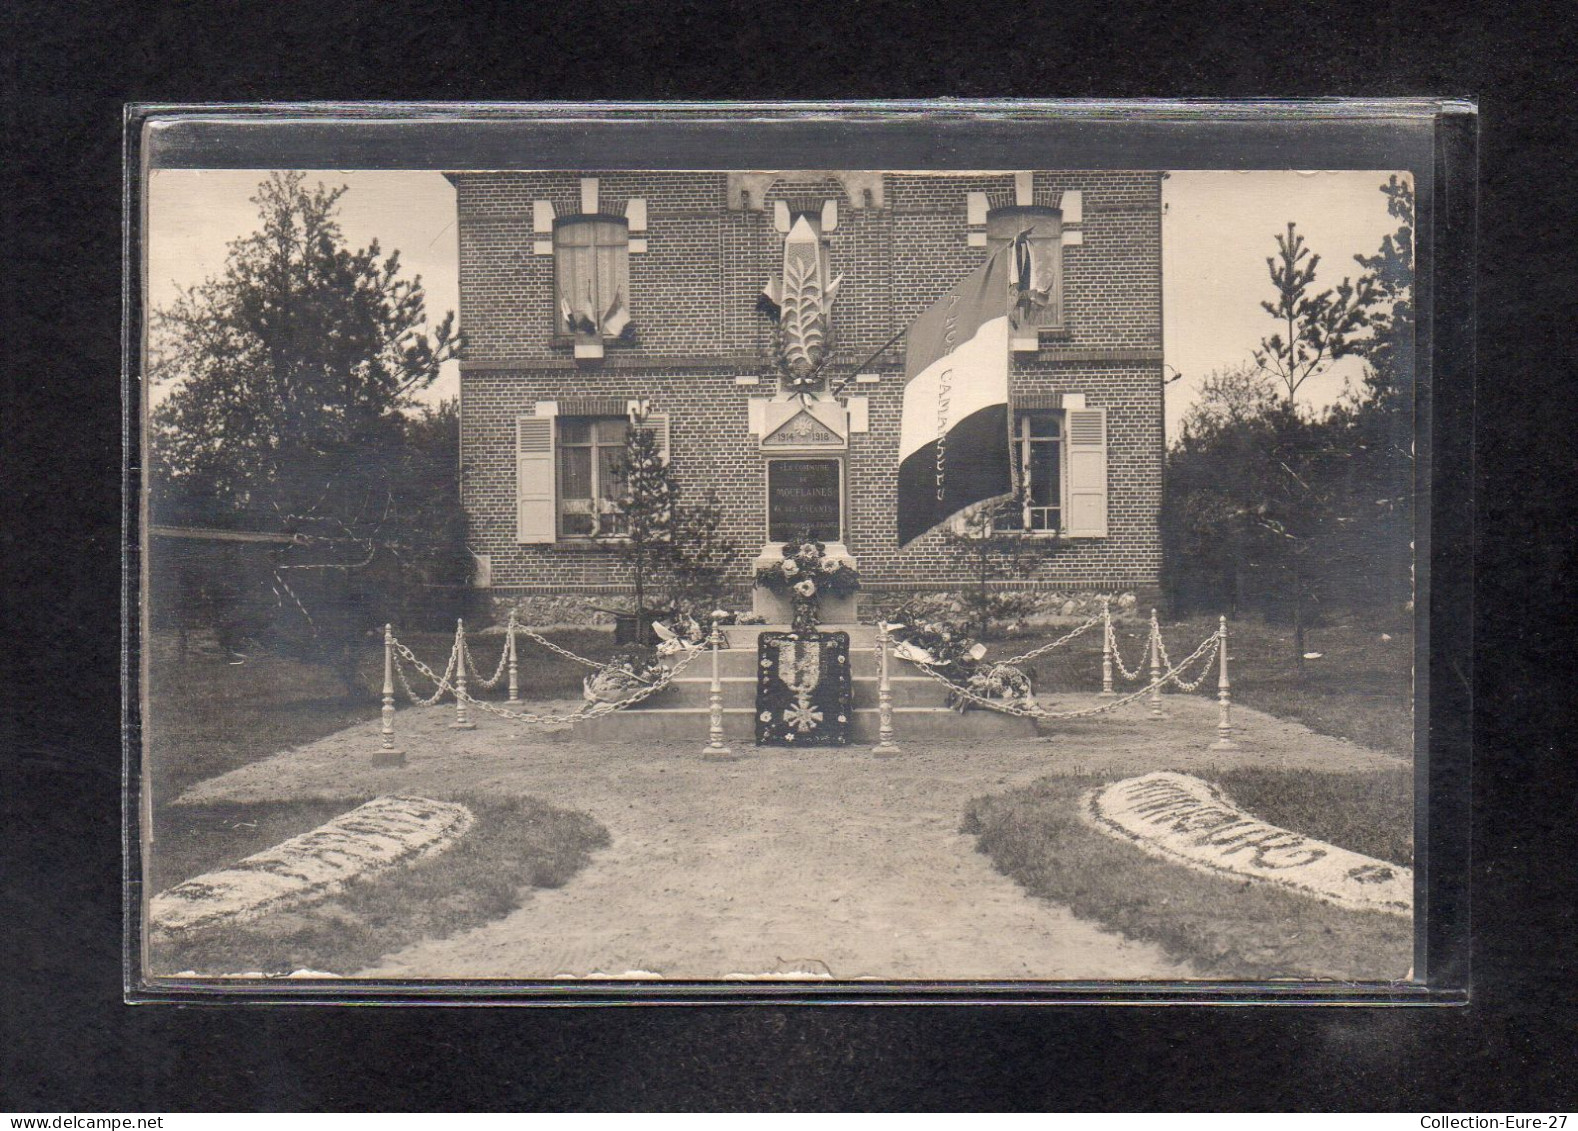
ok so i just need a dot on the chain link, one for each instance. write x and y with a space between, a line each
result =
1058 643
1123 669
565 652
442 681
1205 671
590 710
461 654
1036 712
471 666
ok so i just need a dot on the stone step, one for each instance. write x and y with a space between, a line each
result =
742 661
743 636
689 725
740 691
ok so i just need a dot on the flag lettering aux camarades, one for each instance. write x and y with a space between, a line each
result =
953 441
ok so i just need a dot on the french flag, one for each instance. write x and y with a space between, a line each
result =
953 439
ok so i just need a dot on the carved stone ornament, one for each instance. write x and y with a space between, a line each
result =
805 423
801 302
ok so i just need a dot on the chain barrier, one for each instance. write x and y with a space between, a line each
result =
443 681
1058 643
1117 658
590 710
1178 682
1036 712
492 681
565 652
460 653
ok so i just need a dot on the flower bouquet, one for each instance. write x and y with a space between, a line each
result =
947 649
805 576
629 670
680 633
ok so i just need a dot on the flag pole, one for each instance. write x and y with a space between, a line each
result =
1015 474
882 349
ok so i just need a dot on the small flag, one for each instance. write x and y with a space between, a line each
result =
953 447
617 317
771 301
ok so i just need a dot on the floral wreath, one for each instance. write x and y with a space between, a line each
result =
806 573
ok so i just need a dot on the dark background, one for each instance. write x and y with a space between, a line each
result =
67 1041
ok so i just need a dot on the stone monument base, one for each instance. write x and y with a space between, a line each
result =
777 608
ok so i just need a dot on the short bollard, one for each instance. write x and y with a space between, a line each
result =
715 750
389 754
509 646
885 747
1156 669
1224 698
1106 649
462 717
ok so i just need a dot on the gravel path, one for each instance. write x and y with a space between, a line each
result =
788 863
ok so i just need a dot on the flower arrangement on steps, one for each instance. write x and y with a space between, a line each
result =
949 650
805 576
628 671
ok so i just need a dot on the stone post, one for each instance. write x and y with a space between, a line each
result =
1156 668
715 750
1106 649
389 754
1224 698
462 716
885 747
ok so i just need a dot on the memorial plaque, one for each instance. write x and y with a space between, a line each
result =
804 495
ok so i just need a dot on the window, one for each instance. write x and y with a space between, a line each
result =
1037 277
1040 442
567 471
591 274
590 451
1062 460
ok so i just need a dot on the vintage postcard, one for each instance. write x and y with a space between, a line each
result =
837 575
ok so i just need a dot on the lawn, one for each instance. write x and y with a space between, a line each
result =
516 844
1228 929
1361 687
210 715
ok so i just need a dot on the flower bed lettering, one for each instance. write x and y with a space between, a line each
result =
309 867
1189 821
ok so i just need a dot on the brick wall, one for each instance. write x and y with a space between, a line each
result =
693 296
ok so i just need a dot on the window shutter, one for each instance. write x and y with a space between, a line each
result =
535 520
1087 473
658 422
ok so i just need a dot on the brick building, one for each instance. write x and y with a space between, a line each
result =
583 295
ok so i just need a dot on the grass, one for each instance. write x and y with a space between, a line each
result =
1360 689
516 844
209 716
1226 928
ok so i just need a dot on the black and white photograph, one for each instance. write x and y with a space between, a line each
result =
820 576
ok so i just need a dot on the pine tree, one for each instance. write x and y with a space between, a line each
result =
1320 326
649 509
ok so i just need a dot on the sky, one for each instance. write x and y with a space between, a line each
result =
1218 227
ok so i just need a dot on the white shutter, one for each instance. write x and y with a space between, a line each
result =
658 422
1087 473
535 517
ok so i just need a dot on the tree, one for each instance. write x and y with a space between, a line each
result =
700 558
986 551
1215 471
1379 414
291 374
648 508
1389 352
1320 326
